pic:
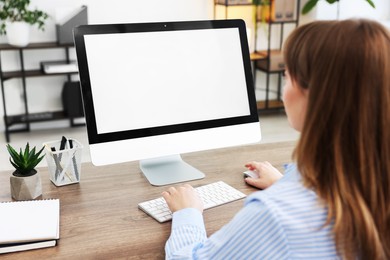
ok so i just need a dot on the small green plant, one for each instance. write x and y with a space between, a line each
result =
312 3
24 161
17 11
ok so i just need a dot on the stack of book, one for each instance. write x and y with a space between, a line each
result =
26 225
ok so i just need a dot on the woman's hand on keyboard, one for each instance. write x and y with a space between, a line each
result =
268 174
182 197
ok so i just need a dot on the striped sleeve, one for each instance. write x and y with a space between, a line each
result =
253 233
285 221
187 232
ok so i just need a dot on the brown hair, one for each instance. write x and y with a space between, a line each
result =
344 149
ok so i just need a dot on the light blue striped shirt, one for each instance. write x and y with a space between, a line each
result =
285 221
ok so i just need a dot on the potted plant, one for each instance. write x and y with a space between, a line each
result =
25 180
16 18
310 4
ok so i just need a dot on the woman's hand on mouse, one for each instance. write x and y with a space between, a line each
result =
268 174
182 197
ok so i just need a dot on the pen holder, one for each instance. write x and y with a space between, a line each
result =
64 165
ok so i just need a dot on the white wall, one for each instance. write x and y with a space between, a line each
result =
121 11
44 93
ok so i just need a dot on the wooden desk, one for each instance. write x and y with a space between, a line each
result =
100 218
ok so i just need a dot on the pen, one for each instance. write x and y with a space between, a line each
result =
76 172
59 168
62 146
56 162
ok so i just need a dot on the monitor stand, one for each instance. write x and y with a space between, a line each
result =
169 169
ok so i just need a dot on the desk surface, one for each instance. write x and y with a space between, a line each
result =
100 218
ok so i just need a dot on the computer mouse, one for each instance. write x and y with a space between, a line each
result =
251 174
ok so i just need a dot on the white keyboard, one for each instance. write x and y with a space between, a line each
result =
213 194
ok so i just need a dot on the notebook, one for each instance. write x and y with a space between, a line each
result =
28 225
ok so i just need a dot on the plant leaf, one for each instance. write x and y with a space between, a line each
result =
11 151
31 154
14 155
309 6
371 3
40 151
14 165
21 157
26 151
39 159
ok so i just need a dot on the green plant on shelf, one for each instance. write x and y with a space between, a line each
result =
17 11
312 3
25 161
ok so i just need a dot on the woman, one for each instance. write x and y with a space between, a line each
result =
334 202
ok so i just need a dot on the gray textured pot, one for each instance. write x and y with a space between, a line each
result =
26 188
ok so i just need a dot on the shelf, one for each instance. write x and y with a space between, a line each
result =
23 120
39 45
264 53
277 22
31 73
257 56
272 104
35 117
233 3
272 62
264 66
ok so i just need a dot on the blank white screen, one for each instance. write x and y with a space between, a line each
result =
141 80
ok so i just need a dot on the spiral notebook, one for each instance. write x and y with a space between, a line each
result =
28 225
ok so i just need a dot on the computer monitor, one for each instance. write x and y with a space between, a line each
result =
153 91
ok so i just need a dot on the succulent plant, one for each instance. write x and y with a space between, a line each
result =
24 161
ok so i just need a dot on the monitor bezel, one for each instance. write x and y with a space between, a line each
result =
95 138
